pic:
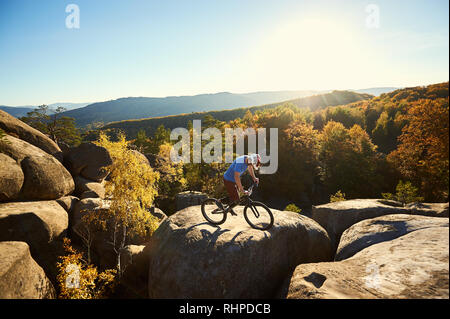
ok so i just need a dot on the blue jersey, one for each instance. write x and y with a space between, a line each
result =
238 165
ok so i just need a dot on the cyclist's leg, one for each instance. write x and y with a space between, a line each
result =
233 194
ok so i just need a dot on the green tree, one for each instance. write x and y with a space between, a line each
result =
160 137
51 122
349 161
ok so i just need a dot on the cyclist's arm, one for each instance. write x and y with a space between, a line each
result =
237 179
252 174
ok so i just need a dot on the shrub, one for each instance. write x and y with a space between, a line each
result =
80 280
293 208
338 197
405 193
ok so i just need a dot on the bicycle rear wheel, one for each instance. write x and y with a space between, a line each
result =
258 216
212 211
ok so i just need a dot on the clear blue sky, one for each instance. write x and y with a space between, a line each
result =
161 48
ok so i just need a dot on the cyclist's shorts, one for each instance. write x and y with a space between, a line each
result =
232 190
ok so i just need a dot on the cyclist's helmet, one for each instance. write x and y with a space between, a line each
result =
255 160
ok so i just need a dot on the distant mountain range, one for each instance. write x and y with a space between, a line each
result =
314 102
19 111
145 107
377 91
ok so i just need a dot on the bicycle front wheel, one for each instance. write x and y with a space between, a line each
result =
258 216
212 211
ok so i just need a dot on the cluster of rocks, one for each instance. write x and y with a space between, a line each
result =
44 192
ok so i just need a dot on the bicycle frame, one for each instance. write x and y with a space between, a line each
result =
244 200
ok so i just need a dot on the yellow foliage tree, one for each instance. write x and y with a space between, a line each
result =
132 188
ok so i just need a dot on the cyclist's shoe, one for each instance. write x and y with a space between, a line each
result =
232 205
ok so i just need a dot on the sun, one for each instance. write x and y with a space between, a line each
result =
311 52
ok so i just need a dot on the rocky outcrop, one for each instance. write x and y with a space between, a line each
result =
414 265
372 231
19 129
338 216
88 160
189 198
89 188
20 276
190 258
44 176
40 224
11 178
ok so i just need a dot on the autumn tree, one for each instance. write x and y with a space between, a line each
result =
423 154
132 188
79 279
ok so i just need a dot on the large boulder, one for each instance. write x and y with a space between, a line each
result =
190 258
20 276
41 224
338 216
17 128
88 160
413 266
44 176
11 178
134 261
372 231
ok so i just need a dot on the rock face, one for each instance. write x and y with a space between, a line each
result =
67 202
372 231
337 217
190 258
414 265
20 276
11 178
44 176
15 127
40 224
134 260
88 160
429 209
189 198
94 189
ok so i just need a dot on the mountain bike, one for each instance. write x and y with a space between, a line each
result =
257 214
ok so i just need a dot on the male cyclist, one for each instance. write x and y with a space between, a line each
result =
232 177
